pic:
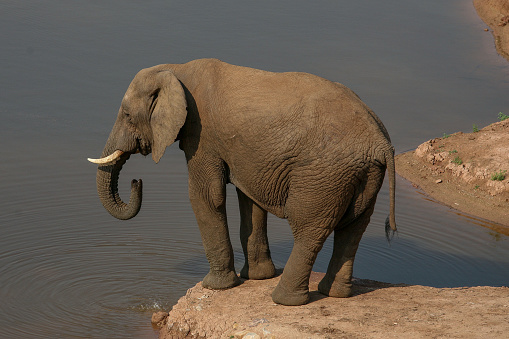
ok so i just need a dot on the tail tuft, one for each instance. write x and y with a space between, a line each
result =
389 231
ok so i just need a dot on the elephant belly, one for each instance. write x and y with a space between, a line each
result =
269 191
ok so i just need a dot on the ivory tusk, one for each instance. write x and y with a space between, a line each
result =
109 159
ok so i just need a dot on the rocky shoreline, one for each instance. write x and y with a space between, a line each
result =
377 310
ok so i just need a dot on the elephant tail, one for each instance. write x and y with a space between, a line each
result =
390 222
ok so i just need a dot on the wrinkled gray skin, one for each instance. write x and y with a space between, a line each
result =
293 144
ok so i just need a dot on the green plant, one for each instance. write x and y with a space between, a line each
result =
453 151
502 116
474 128
457 161
476 187
446 136
498 176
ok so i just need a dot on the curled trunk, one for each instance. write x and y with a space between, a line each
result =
107 188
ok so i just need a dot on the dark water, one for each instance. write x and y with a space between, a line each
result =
68 269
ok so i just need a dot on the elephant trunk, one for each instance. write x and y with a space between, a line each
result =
107 188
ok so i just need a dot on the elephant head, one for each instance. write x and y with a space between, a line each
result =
149 119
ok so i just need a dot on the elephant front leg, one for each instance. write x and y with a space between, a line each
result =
208 203
253 236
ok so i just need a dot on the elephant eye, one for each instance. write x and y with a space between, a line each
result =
127 116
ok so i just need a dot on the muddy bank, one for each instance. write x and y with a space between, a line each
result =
377 310
466 171
495 13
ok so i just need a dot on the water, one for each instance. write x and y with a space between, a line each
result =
68 269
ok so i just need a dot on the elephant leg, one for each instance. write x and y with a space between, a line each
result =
293 287
337 282
253 236
208 199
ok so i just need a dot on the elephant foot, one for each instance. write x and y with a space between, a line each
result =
334 289
258 271
217 280
282 296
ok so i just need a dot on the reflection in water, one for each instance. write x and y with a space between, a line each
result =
496 236
67 269
498 228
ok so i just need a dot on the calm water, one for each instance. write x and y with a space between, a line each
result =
68 269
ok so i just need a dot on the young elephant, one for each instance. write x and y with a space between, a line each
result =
293 144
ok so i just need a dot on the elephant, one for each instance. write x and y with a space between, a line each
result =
293 144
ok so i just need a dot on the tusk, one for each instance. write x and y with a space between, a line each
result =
106 160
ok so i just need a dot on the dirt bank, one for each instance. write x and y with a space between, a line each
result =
377 310
495 13
460 171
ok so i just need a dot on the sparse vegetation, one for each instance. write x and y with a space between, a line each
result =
475 129
498 176
453 151
502 116
476 187
446 136
457 161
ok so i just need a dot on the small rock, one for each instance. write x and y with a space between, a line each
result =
251 335
504 21
158 317
184 328
241 334
258 321
438 181
246 335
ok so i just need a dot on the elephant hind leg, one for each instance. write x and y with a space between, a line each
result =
253 237
313 216
337 282
293 287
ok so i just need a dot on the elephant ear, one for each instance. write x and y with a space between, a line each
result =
169 114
